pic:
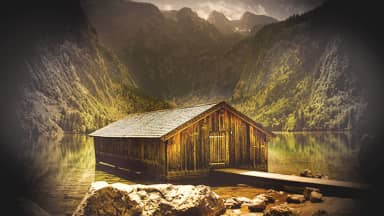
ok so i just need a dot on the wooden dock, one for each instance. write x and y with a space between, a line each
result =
327 186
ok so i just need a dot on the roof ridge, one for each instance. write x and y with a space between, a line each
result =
174 108
202 104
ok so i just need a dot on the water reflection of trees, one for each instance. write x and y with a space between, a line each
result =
330 153
60 171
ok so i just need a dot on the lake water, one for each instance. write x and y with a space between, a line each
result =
61 171
335 154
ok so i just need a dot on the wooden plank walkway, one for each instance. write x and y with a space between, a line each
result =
326 185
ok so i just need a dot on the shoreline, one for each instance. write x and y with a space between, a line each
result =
331 204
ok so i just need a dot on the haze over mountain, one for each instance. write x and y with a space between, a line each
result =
170 53
279 9
248 23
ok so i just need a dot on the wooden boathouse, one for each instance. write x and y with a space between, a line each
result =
184 142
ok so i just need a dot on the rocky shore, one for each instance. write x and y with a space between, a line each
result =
167 199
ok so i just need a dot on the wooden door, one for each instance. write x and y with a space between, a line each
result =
259 150
218 149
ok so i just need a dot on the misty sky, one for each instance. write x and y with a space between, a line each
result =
233 9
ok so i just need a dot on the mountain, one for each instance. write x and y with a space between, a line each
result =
304 73
299 74
171 54
221 22
248 23
282 9
64 80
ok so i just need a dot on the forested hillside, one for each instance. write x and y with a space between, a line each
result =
301 74
69 81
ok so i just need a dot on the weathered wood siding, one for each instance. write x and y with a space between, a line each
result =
259 150
146 155
221 139
187 151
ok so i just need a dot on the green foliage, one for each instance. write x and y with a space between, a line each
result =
296 77
78 86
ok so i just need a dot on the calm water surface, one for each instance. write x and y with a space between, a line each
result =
334 154
61 171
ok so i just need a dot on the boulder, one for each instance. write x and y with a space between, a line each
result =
236 202
268 198
242 199
279 210
308 190
315 197
295 198
256 205
306 173
159 199
231 203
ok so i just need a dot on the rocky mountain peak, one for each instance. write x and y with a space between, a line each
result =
249 19
216 16
220 21
186 11
245 25
247 15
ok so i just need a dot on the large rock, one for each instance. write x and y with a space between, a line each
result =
308 190
268 198
295 198
256 205
306 173
231 203
236 202
279 210
148 200
315 197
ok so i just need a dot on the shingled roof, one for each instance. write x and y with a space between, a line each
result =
157 124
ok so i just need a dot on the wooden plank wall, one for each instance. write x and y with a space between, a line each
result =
188 151
220 137
239 142
259 149
146 155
